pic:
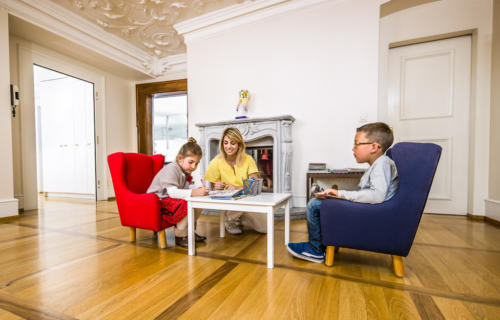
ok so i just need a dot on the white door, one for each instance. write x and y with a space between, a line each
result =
66 120
428 101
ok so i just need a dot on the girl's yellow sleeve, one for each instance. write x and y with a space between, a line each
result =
213 173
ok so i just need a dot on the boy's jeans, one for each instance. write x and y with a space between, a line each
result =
314 225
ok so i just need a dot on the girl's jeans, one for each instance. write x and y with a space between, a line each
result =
314 225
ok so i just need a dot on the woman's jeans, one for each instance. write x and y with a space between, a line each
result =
314 225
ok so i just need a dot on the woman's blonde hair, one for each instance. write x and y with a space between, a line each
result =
190 148
235 136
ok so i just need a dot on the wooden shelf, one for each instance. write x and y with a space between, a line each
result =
311 175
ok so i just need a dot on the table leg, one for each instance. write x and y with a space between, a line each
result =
287 221
308 184
270 238
190 216
221 222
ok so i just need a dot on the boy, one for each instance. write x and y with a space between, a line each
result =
378 184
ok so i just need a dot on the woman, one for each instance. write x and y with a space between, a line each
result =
227 171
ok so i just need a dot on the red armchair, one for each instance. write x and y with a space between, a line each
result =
132 174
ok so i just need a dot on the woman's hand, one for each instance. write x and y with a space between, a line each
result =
219 185
198 192
233 187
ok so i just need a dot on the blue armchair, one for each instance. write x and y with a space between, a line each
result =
388 227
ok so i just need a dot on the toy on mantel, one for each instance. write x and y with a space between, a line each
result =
242 107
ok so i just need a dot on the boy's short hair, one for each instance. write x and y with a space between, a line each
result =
378 132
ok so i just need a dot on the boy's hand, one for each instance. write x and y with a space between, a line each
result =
198 192
333 192
219 185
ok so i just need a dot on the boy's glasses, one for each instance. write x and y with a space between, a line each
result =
361 143
356 144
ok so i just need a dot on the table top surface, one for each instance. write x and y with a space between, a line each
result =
263 199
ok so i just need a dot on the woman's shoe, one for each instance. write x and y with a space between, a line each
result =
199 238
233 228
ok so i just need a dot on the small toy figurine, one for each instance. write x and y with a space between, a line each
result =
242 107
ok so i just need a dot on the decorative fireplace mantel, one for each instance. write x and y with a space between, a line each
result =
278 128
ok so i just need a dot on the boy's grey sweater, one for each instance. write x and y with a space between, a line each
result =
378 184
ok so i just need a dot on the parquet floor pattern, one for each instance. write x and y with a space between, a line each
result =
71 259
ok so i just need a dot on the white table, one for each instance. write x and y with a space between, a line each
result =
266 203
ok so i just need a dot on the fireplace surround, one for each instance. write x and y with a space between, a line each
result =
275 132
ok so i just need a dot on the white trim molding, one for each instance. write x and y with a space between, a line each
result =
9 207
64 23
239 14
492 209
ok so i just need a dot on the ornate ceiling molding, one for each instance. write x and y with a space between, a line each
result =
68 25
232 16
136 33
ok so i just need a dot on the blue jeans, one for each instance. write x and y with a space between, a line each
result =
314 225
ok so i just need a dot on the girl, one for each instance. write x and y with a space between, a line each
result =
227 170
173 184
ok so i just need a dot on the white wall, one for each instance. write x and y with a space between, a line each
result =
8 204
319 64
442 17
493 201
121 130
115 105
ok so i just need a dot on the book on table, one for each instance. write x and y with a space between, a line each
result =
226 194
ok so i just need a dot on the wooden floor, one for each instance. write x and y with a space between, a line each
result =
72 259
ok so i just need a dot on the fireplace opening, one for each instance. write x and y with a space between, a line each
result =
263 157
261 150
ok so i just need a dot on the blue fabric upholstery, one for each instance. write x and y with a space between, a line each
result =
388 227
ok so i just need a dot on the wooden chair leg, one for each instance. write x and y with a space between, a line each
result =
163 240
330 254
397 264
132 234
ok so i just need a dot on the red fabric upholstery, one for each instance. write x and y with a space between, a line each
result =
132 174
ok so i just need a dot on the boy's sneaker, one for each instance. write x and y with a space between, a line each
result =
303 250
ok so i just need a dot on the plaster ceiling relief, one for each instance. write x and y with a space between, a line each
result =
147 24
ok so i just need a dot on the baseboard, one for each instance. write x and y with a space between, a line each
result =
9 207
20 199
69 195
492 221
475 217
492 210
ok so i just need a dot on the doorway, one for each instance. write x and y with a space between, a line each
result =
65 131
146 94
169 123
429 101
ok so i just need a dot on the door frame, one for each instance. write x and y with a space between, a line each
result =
30 54
144 109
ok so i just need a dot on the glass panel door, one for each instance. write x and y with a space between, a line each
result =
169 124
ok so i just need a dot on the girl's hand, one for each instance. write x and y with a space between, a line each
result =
219 185
198 192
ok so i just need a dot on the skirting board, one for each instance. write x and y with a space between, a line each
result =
492 209
8 207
